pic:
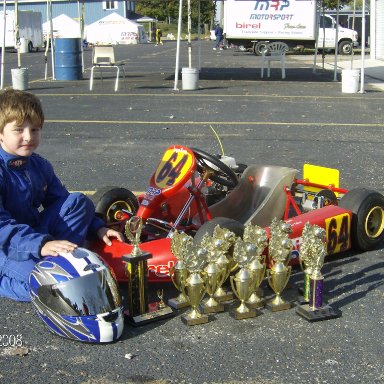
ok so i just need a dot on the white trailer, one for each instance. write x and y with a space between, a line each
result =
254 23
30 29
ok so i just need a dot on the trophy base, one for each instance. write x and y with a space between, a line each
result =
213 309
243 315
186 319
227 296
278 307
257 304
177 304
301 300
324 313
149 317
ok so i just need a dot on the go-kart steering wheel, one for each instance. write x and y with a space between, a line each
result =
222 173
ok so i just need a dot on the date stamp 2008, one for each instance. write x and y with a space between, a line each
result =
11 340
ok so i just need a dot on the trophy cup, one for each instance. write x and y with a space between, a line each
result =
280 247
137 273
224 239
315 310
242 283
212 275
179 272
257 238
194 287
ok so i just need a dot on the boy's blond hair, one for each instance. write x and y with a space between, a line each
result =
20 106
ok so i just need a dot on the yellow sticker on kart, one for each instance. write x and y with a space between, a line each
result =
173 167
338 233
321 175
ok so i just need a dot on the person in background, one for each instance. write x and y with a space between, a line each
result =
219 37
159 35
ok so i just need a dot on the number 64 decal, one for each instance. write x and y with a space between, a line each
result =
174 165
338 235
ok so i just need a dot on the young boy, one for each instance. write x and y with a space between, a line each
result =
38 216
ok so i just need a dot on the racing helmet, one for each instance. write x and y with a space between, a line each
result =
77 297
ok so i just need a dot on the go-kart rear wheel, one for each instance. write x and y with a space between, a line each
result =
208 227
367 228
111 202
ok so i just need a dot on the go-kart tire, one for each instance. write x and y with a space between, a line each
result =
109 199
208 227
367 227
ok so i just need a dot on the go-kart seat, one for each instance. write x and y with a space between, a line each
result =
259 197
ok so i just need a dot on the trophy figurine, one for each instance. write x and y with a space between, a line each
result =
242 283
315 310
257 238
179 271
280 247
137 272
194 287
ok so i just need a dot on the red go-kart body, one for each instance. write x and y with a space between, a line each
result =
178 198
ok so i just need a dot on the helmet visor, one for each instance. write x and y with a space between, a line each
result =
88 295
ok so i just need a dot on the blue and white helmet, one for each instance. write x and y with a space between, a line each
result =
77 297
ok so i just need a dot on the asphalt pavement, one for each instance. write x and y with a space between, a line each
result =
104 138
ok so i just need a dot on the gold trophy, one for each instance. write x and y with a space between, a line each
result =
137 272
194 286
280 247
212 275
224 240
256 238
305 258
242 284
314 257
160 295
179 272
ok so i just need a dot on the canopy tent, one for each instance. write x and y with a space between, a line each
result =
115 29
63 26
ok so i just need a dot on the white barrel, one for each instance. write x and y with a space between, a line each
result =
350 80
23 45
20 78
190 78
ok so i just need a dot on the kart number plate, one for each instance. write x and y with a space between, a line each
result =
174 165
338 233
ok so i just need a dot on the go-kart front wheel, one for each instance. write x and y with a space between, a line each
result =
367 228
112 202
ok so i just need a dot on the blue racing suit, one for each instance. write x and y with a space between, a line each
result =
35 208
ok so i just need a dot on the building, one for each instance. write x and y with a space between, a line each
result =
377 29
92 10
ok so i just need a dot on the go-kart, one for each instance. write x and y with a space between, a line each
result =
192 191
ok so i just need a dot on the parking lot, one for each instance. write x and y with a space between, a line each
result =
104 138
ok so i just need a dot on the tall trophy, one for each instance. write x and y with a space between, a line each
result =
305 258
315 310
212 274
242 283
224 240
137 273
256 237
194 286
280 247
179 272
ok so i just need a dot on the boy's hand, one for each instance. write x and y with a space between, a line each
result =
106 233
55 247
